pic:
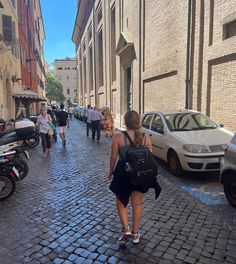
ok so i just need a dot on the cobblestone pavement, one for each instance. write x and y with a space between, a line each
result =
63 212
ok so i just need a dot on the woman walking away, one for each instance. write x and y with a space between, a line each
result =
44 127
121 184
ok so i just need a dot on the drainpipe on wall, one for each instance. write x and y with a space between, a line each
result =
94 58
140 53
187 77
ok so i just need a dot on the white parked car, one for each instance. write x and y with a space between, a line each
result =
187 140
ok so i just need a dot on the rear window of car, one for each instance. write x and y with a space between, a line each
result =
147 120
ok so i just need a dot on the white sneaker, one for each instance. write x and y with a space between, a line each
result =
135 238
125 234
44 155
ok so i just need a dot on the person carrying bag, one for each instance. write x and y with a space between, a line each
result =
133 151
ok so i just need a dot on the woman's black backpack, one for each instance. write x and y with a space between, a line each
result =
140 165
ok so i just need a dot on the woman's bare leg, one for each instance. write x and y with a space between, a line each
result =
137 210
122 212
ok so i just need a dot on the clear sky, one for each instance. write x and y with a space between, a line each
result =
58 18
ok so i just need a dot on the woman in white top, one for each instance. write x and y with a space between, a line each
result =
44 127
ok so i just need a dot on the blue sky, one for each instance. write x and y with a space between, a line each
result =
58 18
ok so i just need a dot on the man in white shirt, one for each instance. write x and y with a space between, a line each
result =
95 117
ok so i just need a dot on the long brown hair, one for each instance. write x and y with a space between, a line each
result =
132 121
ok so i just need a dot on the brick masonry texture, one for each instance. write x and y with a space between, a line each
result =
63 212
158 32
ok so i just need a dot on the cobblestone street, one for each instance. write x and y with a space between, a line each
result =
64 212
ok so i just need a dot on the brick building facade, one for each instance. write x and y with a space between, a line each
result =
9 58
31 36
22 74
152 55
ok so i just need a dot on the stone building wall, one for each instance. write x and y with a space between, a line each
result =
151 55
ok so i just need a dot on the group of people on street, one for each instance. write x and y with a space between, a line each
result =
93 120
51 117
48 119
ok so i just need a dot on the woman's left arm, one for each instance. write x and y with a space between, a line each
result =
113 156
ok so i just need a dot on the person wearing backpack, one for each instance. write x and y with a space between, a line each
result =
123 181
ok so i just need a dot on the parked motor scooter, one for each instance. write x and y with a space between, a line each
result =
23 130
8 176
18 155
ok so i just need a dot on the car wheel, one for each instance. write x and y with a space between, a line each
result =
174 164
230 190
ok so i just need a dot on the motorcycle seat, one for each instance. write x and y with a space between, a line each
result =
4 141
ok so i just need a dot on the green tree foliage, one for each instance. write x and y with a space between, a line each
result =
54 89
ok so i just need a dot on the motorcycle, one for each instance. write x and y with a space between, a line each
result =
17 155
8 176
23 130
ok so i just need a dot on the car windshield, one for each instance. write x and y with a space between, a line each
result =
189 122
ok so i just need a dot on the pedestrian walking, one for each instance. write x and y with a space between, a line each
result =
95 118
108 123
21 113
120 184
70 111
54 121
43 123
87 117
62 119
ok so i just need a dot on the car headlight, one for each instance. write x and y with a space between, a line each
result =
194 148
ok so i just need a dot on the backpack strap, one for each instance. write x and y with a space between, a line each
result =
126 140
144 140
129 138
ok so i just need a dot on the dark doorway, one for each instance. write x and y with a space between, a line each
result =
128 85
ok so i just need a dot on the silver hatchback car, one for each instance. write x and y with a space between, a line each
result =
228 172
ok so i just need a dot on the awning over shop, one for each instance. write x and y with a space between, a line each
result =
28 94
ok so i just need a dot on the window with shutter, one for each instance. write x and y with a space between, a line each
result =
13 31
7 29
20 12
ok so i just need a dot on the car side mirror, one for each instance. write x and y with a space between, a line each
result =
221 125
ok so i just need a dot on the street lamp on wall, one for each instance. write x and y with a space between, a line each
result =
14 78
